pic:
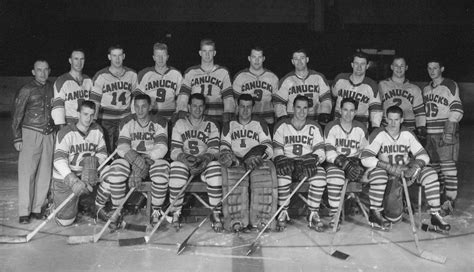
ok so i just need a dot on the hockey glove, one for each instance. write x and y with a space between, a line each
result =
135 159
89 170
394 170
284 165
253 158
309 165
228 159
449 133
188 159
137 176
421 133
77 186
414 169
354 169
201 163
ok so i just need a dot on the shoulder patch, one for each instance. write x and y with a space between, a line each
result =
450 84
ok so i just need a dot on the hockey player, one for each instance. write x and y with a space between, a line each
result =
443 113
161 82
240 141
260 83
142 144
309 83
298 147
345 139
194 150
80 148
70 90
397 90
362 89
389 149
112 91
210 80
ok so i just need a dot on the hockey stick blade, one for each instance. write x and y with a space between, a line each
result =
76 240
134 227
340 255
5 239
183 245
433 257
133 241
336 253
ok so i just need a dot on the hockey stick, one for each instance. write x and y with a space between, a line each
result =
421 253
73 240
183 245
253 246
336 253
145 239
27 238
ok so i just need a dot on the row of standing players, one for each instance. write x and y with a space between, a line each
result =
113 87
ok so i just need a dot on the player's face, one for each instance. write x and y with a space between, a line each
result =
160 57
86 117
41 71
300 61
142 108
207 53
77 61
256 59
245 110
116 58
394 121
399 67
359 66
348 112
301 110
196 108
434 70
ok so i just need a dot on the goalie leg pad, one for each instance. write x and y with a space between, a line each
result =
236 206
393 200
159 175
263 195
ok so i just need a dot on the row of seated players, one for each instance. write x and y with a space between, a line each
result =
299 149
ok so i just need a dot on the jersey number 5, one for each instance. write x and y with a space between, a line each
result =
193 147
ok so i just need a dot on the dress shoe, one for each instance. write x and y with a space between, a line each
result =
38 216
25 219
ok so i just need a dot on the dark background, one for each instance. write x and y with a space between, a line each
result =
330 30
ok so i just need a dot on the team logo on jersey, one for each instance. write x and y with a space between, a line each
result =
347 143
257 84
355 95
162 83
207 79
117 86
395 149
243 133
301 89
436 99
82 147
141 136
299 139
79 94
398 93
194 134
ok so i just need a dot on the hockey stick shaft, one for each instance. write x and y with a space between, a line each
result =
253 245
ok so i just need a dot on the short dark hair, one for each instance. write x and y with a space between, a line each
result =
207 42
143 97
300 98
396 57
245 97
78 50
361 55
350 100
437 60
395 109
160 46
197 96
86 104
116 46
301 50
40 60
256 48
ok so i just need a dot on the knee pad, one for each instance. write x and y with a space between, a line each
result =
236 207
263 194
118 171
428 175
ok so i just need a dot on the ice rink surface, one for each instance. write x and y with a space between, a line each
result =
296 249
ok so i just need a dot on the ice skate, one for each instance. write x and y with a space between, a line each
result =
314 222
377 221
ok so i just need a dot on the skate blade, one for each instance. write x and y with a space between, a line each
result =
427 227
433 257
378 227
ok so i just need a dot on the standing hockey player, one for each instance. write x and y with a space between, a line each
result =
33 137
194 150
80 148
260 83
70 90
298 147
443 113
345 140
362 89
389 149
239 152
161 82
142 144
397 90
309 83
113 87
210 80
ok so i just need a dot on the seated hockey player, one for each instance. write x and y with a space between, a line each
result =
345 139
298 149
79 149
194 151
142 144
390 149
243 144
